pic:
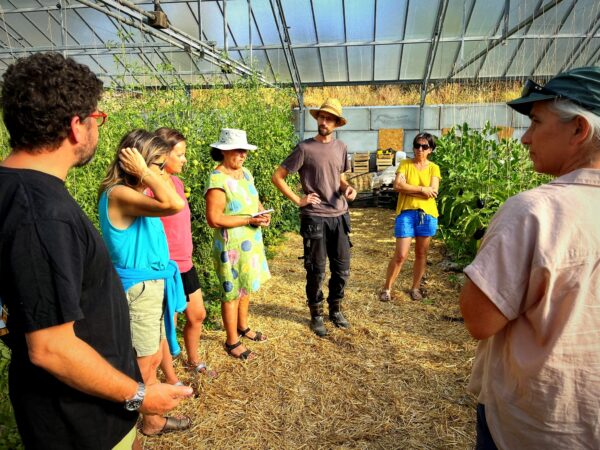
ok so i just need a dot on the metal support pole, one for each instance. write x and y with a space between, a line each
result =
199 21
250 29
225 27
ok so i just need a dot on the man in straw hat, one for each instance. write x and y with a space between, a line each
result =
324 219
533 292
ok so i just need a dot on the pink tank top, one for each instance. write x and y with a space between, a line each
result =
178 229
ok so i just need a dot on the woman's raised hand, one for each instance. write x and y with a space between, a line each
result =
132 162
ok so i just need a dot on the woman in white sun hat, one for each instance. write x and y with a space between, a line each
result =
238 252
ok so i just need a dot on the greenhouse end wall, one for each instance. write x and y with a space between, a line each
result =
364 122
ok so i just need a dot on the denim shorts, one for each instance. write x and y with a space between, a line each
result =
414 222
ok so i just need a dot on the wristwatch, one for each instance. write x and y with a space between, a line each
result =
134 403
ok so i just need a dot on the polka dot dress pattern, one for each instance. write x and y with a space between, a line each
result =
238 253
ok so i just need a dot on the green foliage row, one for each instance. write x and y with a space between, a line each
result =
264 114
478 174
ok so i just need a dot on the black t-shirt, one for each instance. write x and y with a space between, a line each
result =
55 268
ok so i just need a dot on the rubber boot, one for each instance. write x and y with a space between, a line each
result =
336 316
316 319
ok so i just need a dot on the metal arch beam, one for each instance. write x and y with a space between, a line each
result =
593 57
199 34
411 81
595 26
346 39
503 14
374 40
290 59
175 37
229 32
520 44
403 37
463 31
499 41
118 60
65 52
170 47
437 31
550 42
263 42
314 21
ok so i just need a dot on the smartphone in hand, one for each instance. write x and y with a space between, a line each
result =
260 213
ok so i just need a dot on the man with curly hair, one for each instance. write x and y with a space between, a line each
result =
73 377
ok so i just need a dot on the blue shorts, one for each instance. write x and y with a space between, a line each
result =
413 222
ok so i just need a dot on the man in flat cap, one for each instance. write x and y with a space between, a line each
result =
533 292
324 219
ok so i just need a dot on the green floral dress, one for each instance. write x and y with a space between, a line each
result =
238 253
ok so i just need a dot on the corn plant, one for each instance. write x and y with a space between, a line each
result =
478 174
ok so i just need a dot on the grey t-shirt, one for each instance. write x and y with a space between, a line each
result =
319 166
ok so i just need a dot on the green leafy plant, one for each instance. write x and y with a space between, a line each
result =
478 174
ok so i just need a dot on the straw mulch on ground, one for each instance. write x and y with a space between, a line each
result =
395 380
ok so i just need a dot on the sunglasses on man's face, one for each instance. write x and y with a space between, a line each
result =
422 146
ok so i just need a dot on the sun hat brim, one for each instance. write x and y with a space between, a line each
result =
315 113
222 146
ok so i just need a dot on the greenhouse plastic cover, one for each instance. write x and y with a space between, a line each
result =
308 42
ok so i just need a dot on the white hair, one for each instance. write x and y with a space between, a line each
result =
567 111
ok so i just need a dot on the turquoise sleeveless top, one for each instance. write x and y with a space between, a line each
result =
143 245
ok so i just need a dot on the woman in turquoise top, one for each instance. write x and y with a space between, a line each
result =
136 241
238 253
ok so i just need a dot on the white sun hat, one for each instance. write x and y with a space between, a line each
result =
232 139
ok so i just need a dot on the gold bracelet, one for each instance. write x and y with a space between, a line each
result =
146 173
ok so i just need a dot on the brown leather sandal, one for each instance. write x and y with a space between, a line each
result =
244 356
258 336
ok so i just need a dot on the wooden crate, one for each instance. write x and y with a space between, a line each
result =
360 162
384 161
391 138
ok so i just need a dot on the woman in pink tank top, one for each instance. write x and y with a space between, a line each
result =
178 229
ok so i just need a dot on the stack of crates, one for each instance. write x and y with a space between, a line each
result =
360 162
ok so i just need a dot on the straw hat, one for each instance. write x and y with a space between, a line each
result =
232 139
332 106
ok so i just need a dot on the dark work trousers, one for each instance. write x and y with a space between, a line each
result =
326 237
484 437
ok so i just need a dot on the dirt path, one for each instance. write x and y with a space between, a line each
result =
396 380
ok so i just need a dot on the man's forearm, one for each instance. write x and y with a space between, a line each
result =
285 189
60 352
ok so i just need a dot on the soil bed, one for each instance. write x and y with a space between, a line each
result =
396 380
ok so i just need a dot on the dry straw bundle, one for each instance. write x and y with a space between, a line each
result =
395 380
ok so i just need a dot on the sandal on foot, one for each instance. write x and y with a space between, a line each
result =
180 423
202 368
415 294
385 296
258 336
244 356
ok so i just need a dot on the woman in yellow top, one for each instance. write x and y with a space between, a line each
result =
417 180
